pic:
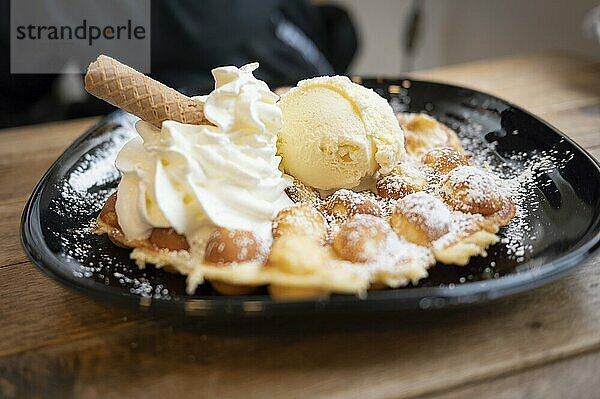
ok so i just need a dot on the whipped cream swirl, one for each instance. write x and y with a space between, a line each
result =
195 177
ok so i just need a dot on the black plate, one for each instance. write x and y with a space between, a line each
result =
562 214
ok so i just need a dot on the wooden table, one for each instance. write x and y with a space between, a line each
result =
545 343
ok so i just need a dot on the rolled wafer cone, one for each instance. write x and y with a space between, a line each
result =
140 95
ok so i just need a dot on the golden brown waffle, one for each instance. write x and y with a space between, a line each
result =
360 250
422 133
136 93
298 265
434 208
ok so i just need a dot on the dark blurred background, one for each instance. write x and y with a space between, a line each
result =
292 39
295 39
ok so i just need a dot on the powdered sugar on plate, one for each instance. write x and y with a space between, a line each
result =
519 175
82 193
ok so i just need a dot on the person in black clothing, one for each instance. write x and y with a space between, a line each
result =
291 39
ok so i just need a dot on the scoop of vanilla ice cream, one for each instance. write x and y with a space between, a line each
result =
335 132
195 177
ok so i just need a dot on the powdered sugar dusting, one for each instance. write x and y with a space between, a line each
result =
470 189
460 222
425 209
82 193
518 174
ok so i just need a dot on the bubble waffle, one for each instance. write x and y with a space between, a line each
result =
422 133
297 264
471 190
421 218
344 204
300 220
433 207
234 261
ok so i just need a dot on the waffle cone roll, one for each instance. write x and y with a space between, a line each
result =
140 95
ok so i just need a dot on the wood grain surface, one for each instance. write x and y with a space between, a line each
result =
544 343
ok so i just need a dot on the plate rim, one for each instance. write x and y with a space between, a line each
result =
394 299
